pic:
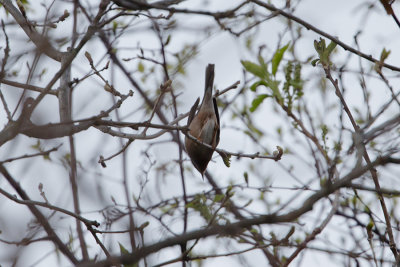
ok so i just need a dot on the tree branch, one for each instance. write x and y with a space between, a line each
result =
237 227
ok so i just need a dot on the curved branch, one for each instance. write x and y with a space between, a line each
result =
334 39
237 227
42 43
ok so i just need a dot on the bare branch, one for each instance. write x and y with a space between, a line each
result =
334 39
41 42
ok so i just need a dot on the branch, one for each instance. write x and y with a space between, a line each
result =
30 203
41 153
143 5
41 42
364 152
39 216
53 130
237 227
334 39
28 87
165 5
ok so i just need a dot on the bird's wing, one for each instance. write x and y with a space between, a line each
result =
217 115
207 133
193 111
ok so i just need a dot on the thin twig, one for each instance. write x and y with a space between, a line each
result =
334 39
364 153
39 216
26 156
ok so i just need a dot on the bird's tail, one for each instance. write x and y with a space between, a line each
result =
209 81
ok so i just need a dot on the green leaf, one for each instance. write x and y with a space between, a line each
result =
276 59
274 85
124 251
114 26
140 67
246 178
255 69
330 48
262 62
168 40
384 55
254 86
36 146
325 130
323 51
227 160
254 231
219 197
320 46
257 101
199 204
370 225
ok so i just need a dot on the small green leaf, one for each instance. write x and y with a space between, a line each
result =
330 48
225 158
323 51
384 55
254 231
254 86
122 249
257 101
168 40
325 131
314 62
246 178
370 225
37 145
140 67
274 85
276 59
219 197
253 68
114 26
320 46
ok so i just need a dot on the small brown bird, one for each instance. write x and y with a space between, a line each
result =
204 126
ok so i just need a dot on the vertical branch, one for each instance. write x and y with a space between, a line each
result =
64 93
3 70
65 107
178 141
185 211
75 196
367 159
125 175
128 198
75 23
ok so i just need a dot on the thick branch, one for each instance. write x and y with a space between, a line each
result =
41 42
236 228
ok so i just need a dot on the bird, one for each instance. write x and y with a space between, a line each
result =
204 126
